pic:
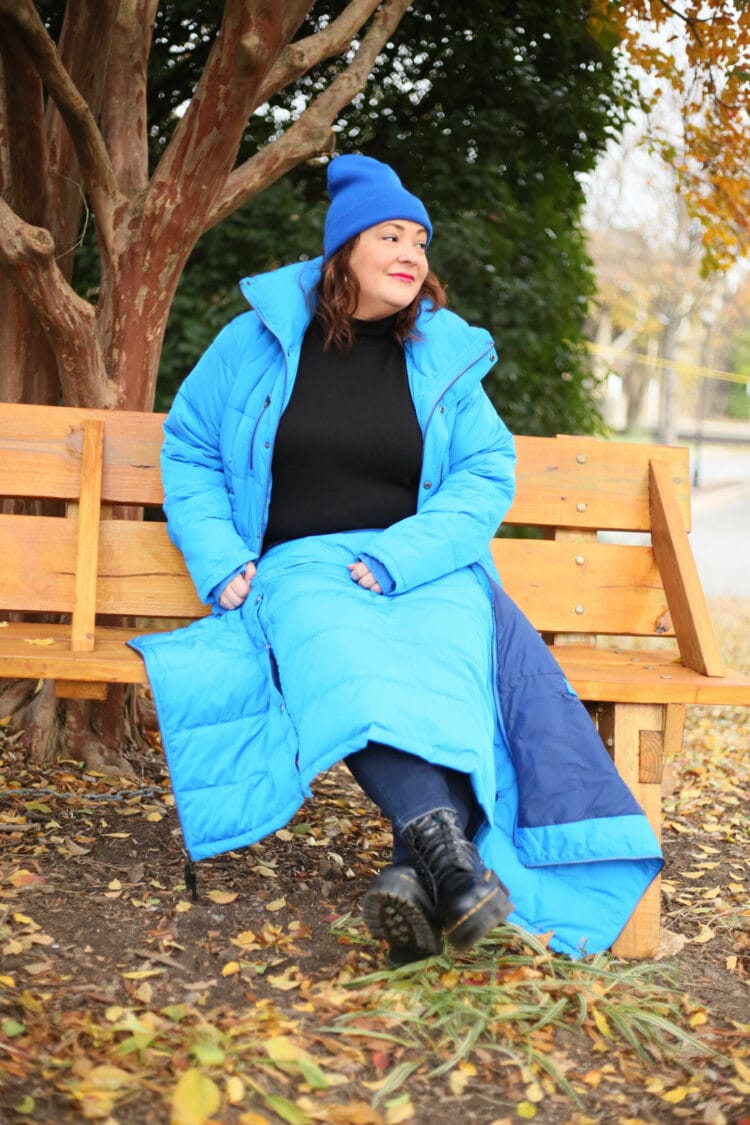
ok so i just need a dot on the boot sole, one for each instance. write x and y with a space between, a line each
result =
477 922
391 913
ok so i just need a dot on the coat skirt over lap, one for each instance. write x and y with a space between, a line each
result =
253 703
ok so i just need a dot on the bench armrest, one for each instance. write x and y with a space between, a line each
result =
682 586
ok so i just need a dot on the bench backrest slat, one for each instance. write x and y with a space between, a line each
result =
141 573
568 587
38 563
41 449
584 482
569 487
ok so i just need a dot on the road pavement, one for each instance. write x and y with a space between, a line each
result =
720 536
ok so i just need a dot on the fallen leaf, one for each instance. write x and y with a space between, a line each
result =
145 992
235 1090
395 1114
284 980
526 1110
293 1059
534 1093
222 897
195 1099
287 1110
458 1082
246 940
678 1094
742 1069
23 878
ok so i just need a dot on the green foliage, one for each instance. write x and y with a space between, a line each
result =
490 113
510 997
738 397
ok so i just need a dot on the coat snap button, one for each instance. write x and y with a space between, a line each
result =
427 484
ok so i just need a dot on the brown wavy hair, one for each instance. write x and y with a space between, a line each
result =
338 293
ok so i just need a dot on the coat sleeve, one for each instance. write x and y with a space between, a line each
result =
196 494
454 525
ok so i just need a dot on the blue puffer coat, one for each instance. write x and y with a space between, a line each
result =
561 828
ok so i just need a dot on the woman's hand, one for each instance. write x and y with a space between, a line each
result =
236 591
363 576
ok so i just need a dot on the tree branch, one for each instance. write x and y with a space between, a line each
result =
93 159
84 51
297 58
69 323
691 21
204 144
124 112
24 149
310 135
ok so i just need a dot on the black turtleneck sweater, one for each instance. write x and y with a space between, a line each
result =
348 451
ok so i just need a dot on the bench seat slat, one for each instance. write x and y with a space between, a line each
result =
598 675
39 651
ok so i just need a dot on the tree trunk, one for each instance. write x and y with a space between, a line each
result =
87 147
668 422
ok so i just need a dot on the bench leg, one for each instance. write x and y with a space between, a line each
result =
637 735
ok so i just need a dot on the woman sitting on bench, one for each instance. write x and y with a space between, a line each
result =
333 474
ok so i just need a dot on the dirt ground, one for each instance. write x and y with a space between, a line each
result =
123 1000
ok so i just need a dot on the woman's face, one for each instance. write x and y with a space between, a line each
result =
390 264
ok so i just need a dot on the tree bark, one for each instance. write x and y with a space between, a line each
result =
86 22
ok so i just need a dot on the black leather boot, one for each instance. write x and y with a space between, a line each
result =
469 898
397 907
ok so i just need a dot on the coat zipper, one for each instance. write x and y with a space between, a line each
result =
448 386
267 488
266 405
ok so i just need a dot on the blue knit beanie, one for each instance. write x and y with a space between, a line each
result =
364 192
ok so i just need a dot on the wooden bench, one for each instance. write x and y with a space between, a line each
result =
578 590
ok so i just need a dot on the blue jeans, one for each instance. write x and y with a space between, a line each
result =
405 787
